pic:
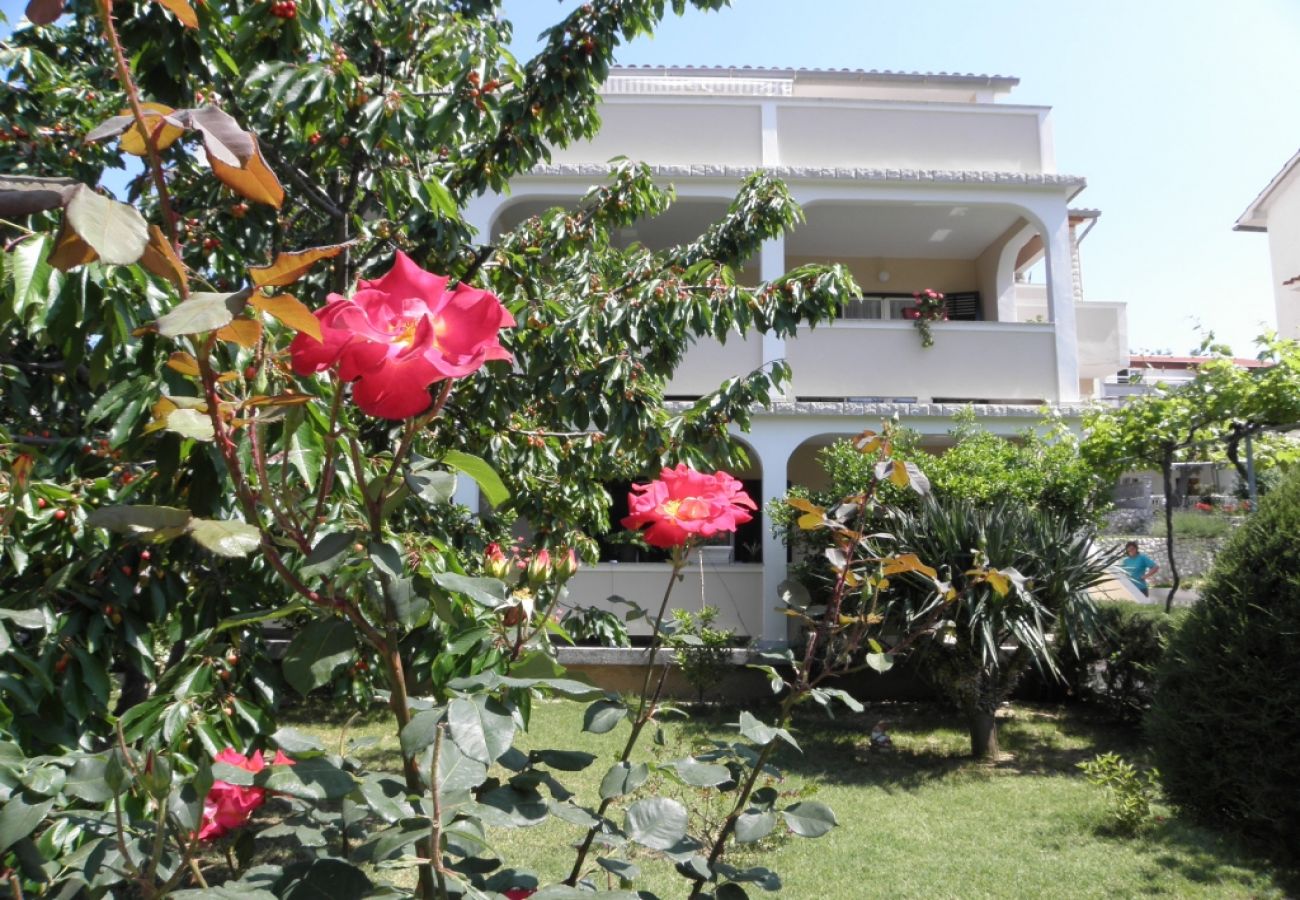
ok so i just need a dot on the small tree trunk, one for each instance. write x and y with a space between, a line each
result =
1167 468
984 734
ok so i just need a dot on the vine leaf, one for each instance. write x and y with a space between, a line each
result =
288 267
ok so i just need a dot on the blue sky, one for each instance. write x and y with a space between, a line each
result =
1178 113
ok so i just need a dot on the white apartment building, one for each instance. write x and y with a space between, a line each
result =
1277 211
913 181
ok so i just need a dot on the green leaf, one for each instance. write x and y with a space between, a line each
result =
30 619
140 520
19 817
809 818
317 652
623 778
488 480
619 868
487 591
698 774
116 231
564 760
311 778
432 487
327 878
86 781
226 537
881 662
190 423
481 727
656 822
603 716
754 826
762 734
291 741
509 807
420 731
457 772
202 312
327 555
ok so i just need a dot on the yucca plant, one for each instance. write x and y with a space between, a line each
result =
1019 581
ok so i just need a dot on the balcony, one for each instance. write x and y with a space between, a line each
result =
990 362
970 361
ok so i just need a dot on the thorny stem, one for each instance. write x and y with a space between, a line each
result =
150 139
435 836
645 710
327 470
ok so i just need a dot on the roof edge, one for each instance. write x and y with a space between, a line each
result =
1254 218
969 79
841 173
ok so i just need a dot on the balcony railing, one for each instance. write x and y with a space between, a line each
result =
962 306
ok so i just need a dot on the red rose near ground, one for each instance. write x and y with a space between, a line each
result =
401 333
683 504
229 806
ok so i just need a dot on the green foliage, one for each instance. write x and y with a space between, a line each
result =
1114 665
1130 792
703 651
171 487
1188 524
1019 580
1223 721
601 627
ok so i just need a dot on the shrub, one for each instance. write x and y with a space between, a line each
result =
1130 791
703 651
1189 524
1224 723
1114 667
593 625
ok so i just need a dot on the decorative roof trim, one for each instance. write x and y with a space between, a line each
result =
837 173
1255 218
859 409
968 79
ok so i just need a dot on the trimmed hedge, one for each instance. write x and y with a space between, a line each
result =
1115 667
1225 724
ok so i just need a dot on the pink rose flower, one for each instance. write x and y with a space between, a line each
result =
518 893
229 806
684 504
401 333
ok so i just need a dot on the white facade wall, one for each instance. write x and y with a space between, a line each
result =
1284 250
836 142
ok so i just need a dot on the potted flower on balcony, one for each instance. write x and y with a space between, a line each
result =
930 307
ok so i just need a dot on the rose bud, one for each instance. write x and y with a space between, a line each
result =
539 569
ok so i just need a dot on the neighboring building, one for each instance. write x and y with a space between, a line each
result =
911 180
1277 211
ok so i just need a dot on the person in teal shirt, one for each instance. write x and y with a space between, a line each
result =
1138 567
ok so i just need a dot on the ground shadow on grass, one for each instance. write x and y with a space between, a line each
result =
1195 853
930 743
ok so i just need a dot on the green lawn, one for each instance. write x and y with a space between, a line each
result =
919 821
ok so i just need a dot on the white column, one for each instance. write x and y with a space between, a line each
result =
467 493
771 146
773 447
1060 301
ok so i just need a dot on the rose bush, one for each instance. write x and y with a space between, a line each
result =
229 806
400 333
683 504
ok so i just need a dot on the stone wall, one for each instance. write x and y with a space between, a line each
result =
1195 555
